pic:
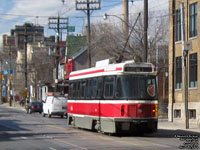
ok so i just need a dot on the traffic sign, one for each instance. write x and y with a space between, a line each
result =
71 28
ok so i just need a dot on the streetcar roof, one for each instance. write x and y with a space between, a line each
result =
105 68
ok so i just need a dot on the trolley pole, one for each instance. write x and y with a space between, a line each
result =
87 7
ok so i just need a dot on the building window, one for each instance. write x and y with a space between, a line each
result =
193 70
192 114
178 25
178 72
177 113
193 19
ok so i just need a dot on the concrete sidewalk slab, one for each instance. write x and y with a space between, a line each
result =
165 124
14 106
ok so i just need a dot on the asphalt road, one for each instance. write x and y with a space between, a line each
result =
21 131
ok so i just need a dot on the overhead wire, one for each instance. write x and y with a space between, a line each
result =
77 17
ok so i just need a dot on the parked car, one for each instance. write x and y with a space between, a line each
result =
55 105
34 107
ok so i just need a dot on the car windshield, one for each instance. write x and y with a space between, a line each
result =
138 87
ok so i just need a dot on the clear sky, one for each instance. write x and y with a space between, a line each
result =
16 12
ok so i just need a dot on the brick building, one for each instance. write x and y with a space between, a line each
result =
176 107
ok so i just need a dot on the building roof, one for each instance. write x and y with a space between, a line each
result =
75 44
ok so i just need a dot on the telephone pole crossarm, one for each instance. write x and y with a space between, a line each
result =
83 5
58 24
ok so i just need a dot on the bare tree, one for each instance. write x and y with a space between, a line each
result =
108 39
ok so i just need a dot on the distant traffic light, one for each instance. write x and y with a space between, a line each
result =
2 76
11 77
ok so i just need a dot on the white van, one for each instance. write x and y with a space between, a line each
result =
55 105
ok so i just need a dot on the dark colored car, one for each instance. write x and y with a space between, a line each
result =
34 107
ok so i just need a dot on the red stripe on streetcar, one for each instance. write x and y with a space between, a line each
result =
119 69
95 71
113 110
86 73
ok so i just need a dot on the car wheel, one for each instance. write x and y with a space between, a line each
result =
49 115
61 116
43 114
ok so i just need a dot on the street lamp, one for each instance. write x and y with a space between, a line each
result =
105 17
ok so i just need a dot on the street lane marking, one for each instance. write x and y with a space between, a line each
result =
24 138
83 148
51 148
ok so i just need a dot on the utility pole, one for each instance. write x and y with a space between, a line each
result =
185 66
126 18
87 6
145 31
1 83
173 59
10 85
25 65
58 23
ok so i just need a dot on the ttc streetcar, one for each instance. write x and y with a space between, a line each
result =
114 98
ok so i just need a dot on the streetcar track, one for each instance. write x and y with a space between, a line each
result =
104 137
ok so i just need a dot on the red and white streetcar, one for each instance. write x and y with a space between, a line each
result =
114 98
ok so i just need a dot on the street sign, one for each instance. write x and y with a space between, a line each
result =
71 28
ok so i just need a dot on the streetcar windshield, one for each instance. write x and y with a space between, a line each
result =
137 87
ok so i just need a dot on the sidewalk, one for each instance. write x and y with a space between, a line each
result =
14 106
165 124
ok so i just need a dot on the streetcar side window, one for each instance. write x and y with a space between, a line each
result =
83 85
70 90
109 87
78 90
99 92
93 88
74 90
88 89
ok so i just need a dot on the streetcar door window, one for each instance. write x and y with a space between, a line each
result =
109 87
